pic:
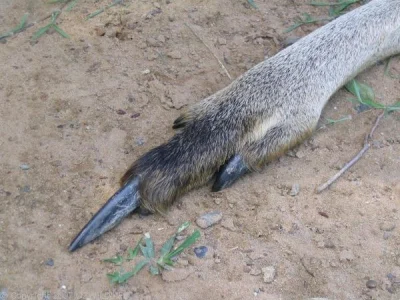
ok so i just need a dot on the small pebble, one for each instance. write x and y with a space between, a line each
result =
346 255
46 296
100 31
86 277
228 224
127 295
121 112
362 107
300 153
290 40
269 274
386 235
175 54
221 41
178 274
200 251
24 167
329 244
145 72
255 272
246 269
3 294
371 284
140 141
324 214
49 262
25 189
391 276
183 262
135 115
387 226
295 190
209 219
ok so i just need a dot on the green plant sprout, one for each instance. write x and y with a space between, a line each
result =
103 9
156 265
366 96
71 3
22 25
332 121
306 19
52 25
335 10
387 69
252 4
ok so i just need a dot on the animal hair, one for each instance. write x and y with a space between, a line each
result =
271 107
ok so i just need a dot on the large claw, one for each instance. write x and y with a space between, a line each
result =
230 172
124 201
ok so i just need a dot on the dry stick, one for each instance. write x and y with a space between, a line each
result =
305 268
209 49
364 149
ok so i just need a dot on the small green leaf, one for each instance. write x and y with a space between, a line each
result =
140 266
71 5
56 1
183 227
118 277
148 250
21 23
387 70
125 276
40 32
133 253
363 92
149 245
118 260
190 240
17 29
331 121
154 270
252 3
393 107
54 16
60 31
113 277
167 245
93 14
306 19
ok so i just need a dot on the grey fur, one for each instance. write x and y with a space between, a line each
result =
270 108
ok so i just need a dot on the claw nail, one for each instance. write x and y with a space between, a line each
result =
121 204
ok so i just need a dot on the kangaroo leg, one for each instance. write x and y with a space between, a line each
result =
267 110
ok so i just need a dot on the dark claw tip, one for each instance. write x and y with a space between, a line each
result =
121 204
230 172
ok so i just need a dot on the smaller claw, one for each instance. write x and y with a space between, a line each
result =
121 204
230 172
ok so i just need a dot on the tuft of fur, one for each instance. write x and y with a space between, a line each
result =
271 107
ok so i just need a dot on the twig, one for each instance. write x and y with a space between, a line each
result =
209 49
305 268
364 149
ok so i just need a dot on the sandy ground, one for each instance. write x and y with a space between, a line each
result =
76 112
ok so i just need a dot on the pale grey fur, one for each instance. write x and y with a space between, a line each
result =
272 106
